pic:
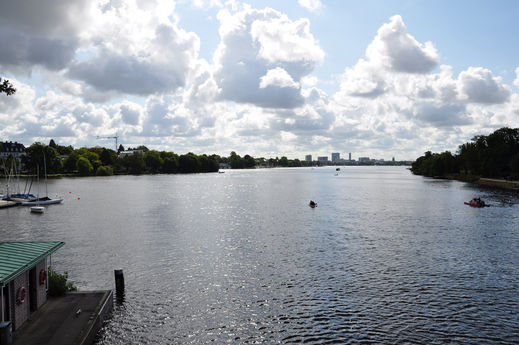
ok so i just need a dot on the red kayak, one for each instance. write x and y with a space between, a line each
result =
476 203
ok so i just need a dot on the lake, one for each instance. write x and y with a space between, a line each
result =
386 258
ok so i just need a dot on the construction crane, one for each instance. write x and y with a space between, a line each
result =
114 137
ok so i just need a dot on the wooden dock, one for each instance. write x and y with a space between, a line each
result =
5 203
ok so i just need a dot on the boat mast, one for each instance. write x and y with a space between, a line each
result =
45 170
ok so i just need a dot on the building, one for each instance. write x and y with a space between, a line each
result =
15 149
336 156
323 160
23 279
308 158
363 159
130 152
349 156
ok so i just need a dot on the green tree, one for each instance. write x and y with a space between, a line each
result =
136 163
236 161
188 163
83 166
42 155
153 161
104 170
108 157
6 87
53 144
249 162
170 162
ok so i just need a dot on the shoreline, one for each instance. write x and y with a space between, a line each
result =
510 185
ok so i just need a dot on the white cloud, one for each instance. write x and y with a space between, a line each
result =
480 86
277 77
254 42
516 81
258 95
50 18
395 49
136 49
311 5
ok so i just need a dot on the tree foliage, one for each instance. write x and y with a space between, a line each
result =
6 87
83 166
58 284
495 155
102 161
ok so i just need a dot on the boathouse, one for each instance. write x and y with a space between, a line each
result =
23 279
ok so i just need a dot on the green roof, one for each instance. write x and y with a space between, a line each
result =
18 257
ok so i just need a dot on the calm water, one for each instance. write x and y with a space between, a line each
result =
386 257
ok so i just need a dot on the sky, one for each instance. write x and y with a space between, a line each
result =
380 79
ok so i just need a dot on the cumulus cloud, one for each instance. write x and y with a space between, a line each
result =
442 115
258 44
364 80
397 50
516 81
480 86
52 18
136 49
21 51
277 77
311 5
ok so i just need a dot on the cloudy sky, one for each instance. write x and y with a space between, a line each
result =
268 78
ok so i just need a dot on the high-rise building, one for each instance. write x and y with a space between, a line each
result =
349 156
308 158
335 156
323 160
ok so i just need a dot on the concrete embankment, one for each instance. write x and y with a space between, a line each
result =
73 319
498 183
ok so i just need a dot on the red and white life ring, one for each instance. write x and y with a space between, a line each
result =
20 295
43 276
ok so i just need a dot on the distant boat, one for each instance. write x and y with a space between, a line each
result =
45 200
42 201
338 169
312 204
37 209
476 202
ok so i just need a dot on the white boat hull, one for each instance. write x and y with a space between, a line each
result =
37 209
42 202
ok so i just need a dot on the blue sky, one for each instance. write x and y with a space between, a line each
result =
267 78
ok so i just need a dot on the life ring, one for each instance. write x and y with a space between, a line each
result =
20 295
43 276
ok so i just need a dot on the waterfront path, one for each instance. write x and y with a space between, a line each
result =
58 321
500 183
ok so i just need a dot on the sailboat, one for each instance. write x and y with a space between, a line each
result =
12 179
45 200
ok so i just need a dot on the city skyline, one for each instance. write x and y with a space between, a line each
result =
264 78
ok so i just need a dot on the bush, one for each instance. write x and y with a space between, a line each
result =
105 170
83 166
58 285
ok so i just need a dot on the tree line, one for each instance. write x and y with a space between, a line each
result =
495 155
99 161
